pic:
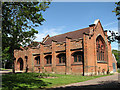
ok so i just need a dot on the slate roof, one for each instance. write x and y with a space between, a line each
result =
62 37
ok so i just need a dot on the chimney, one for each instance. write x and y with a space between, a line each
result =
92 26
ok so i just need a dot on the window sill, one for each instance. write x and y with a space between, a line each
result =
101 61
37 65
48 65
77 63
61 64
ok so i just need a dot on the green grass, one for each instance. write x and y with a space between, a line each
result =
30 80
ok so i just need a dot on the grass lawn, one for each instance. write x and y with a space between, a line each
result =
31 80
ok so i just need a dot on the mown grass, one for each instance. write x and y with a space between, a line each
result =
25 81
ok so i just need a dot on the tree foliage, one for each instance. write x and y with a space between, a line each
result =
117 54
117 9
18 22
115 36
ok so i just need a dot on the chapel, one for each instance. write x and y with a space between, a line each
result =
85 51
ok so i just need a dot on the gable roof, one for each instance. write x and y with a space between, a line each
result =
62 37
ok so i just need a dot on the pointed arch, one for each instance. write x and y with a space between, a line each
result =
100 48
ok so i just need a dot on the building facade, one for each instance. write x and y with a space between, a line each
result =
85 51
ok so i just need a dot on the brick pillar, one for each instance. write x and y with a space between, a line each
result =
109 57
32 63
106 57
15 61
95 57
68 56
41 58
26 65
53 56
85 47
92 26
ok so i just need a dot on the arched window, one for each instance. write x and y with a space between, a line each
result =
100 46
37 59
78 56
48 59
62 58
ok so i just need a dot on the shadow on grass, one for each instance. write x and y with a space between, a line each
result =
22 81
101 86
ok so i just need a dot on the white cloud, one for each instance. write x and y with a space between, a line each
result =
114 45
46 31
114 22
115 29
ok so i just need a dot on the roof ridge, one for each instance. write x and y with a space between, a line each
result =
73 34
69 32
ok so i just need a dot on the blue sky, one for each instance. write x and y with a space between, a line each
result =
62 17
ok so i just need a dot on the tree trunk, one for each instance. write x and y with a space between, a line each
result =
13 67
13 59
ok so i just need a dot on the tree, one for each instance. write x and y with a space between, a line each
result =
115 36
116 53
117 9
18 22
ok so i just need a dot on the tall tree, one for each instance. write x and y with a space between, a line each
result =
18 22
117 9
115 36
116 53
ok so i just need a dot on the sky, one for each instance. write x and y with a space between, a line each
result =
62 17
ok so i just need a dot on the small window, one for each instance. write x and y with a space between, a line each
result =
62 59
77 58
103 56
59 60
48 59
37 59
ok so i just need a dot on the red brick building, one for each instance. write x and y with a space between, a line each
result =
85 51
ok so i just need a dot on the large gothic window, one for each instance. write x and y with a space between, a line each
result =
100 46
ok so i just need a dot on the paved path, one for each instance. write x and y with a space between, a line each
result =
9 71
102 82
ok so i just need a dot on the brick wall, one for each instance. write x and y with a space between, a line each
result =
86 45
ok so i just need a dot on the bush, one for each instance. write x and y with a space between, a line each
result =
118 70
